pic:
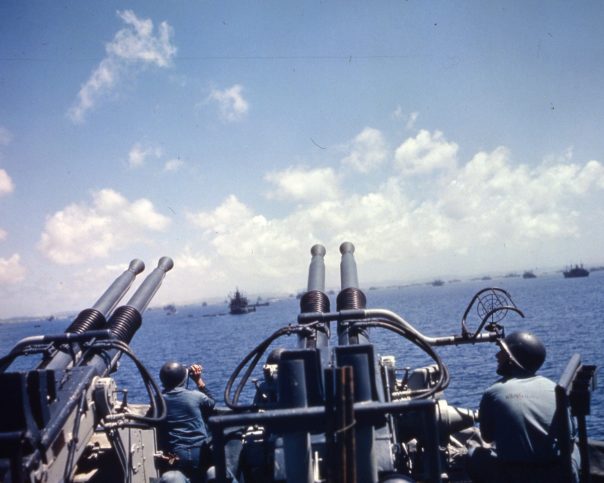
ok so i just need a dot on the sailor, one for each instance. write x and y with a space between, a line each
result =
518 416
184 433
266 391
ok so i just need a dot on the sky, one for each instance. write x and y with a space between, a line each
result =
441 138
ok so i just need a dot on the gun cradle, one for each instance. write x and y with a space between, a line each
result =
62 421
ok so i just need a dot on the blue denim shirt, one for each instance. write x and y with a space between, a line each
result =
185 425
517 414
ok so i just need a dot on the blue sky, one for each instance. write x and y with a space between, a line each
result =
441 138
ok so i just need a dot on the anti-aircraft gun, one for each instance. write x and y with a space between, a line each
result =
61 420
340 413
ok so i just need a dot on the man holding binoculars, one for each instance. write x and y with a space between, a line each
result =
184 435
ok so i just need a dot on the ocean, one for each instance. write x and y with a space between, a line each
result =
567 314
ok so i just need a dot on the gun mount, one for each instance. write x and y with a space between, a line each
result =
63 421
340 413
329 410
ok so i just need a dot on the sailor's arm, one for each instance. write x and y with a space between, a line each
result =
195 372
486 418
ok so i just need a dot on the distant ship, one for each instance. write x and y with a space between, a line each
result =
576 271
529 274
437 283
170 309
238 304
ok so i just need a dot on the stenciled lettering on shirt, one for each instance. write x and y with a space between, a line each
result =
519 395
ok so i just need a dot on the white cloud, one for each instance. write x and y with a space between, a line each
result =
231 104
368 151
5 136
11 270
173 165
230 212
192 260
242 239
139 153
134 45
305 185
6 183
490 207
500 199
6 187
426 153
138 43
80 232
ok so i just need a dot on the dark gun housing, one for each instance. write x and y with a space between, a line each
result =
329 410
341 413
54 411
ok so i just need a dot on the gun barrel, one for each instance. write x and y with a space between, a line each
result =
127 319
315 300
150 285
350 296
316 270
107 302
95 318
348 267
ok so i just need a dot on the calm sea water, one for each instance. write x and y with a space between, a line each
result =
568 314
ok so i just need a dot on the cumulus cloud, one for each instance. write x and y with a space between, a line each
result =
426 153
6 183
11 270
232 106
136 45
230 212
241 238
139 153
190 259
5 136
367 152
470 210
303 185
511 201
80 232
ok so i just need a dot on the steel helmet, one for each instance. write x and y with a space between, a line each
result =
525 350
275 356
172 374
